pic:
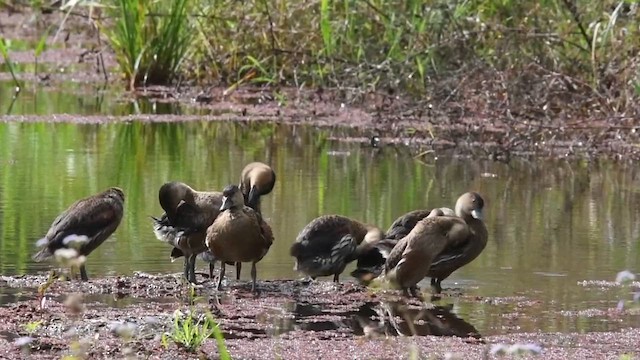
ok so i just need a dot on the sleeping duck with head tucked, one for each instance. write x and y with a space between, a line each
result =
437 246
238 234
328 243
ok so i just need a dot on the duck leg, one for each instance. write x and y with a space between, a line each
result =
83 273
192 268
238 269
254 275
186 267
416 293
336 278
221 275
212 266
436 286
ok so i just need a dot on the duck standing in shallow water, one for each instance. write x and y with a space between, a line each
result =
95 217
239 234
440 242
328 243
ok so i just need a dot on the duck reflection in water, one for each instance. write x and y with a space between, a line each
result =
398 319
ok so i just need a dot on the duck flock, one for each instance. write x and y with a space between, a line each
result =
228 227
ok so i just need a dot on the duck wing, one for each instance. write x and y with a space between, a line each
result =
405 223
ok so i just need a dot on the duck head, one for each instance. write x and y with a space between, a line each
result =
471 205
116 193
231 198
257 179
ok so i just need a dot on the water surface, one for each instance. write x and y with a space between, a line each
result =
552 224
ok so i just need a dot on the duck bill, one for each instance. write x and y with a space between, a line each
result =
226 204
477 214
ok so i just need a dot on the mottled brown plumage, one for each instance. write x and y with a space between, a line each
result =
328 243
238 234
371 264
188 214
446 241
95 217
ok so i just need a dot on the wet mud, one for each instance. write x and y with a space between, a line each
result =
118 317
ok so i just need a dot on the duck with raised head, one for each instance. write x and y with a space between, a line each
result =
188 214
95 217
448 242
469 207
371 264
239 234
328 243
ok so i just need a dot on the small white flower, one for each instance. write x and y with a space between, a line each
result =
42 242
625 276
524 349
75 241
69 257
64 254
499 349
124 330
23 341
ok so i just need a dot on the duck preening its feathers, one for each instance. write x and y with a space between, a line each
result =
257 179
328 243
187 215
447 251
371 264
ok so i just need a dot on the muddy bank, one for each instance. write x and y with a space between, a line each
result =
126 316
471 121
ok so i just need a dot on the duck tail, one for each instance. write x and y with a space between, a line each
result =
169 233
175 254
42 255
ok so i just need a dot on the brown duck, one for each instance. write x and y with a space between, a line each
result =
239 234
371 264
188 214
328 243
95 217
438 245
257 179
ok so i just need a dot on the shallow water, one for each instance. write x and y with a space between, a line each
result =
552 224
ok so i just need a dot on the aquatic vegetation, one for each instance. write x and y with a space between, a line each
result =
32 326
149 47
4 51
626 278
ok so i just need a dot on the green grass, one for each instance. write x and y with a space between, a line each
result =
4 51
528 55
150 39
190 331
